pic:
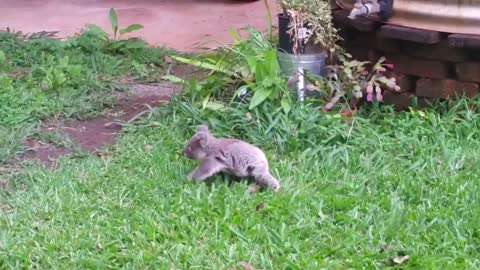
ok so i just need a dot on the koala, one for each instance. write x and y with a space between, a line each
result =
231 156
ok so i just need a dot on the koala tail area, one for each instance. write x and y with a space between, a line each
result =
266 179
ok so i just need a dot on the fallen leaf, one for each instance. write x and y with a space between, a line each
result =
246 266
104 153
386 248
253 188
347 112
147 147
167 59
260 206
292 81
401 260
310 87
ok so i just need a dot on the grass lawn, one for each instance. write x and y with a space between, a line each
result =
42 78
353 196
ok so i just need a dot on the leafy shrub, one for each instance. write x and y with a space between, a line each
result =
248 70
353 80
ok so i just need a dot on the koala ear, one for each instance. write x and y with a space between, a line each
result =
202 128
202 139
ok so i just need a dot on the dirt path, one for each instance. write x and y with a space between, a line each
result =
178 24
93 135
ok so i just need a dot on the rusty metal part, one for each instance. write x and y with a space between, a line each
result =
451 16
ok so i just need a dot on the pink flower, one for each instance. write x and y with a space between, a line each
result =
369 97
379 96
390 66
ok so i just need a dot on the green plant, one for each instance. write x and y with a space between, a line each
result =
57 74
316 16
94 38
249 68
354 80
114 23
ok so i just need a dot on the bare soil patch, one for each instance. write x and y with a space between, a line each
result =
94 134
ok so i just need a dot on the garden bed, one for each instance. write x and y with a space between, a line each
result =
429 65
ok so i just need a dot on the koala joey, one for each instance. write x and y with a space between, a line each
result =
230 156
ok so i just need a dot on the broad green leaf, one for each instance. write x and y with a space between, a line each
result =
271 63
114 44
260 95
215 106
131 28
286 106
114 21
202 65
252 62
268 82
205 100
260 72
174 79
94 29
134 43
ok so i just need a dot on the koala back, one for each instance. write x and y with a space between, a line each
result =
239 158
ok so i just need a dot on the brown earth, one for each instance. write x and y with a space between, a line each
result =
179 24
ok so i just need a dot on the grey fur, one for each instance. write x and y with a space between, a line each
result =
231 156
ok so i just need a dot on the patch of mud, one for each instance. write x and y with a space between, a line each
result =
93 134
47 153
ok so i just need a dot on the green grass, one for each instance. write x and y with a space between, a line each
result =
355 197
43 77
